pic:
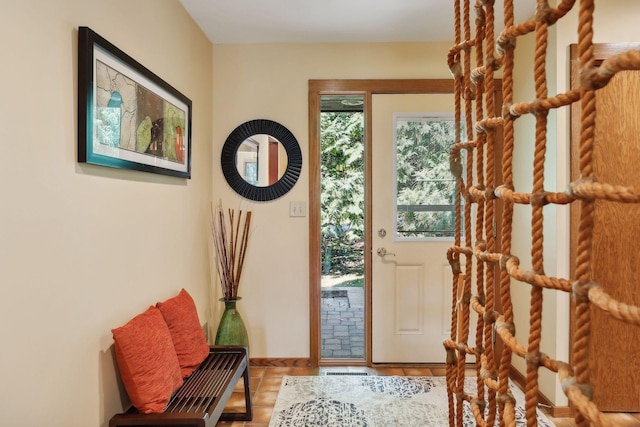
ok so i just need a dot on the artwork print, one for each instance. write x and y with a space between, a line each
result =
128 117
131 117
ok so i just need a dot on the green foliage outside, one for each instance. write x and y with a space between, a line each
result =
355 283
342 192
424 178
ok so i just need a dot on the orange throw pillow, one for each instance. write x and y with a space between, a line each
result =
188 338
147 361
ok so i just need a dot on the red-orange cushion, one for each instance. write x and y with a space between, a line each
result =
188 338
147 361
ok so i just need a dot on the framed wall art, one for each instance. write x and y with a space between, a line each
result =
128 117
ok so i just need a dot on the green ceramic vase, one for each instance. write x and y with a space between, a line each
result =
231 330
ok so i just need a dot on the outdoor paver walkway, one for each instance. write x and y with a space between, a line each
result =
342 324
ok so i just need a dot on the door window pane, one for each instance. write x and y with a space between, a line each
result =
425 187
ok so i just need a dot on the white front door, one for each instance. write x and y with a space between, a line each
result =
411 282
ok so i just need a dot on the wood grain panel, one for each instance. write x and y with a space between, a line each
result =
614 348
314 227
615 365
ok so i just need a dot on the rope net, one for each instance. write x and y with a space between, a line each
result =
475 90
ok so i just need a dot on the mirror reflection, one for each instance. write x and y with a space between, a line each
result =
261 160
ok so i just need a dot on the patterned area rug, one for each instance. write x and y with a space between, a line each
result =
374 401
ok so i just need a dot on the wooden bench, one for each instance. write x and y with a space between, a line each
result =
200 401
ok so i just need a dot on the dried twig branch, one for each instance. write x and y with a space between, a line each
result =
230 241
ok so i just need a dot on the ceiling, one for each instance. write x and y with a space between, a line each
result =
328 21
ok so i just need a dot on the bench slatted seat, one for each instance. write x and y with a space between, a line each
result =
201 399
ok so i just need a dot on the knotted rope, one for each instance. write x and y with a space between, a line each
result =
476 88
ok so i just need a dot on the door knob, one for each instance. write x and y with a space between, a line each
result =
382 252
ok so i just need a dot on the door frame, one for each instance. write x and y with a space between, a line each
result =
366 88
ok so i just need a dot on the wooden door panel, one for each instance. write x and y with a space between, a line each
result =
614 347
614 364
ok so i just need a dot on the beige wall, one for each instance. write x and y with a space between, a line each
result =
85 248
554 331
275 285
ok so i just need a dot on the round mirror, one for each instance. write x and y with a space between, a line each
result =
261 160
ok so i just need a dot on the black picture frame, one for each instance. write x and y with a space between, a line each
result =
128 117
229 156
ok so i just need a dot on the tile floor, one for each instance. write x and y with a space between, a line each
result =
265 383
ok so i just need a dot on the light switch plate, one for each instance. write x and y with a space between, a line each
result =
297 209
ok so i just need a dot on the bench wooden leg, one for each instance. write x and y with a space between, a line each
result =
248 414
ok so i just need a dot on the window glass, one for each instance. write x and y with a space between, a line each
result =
425 187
